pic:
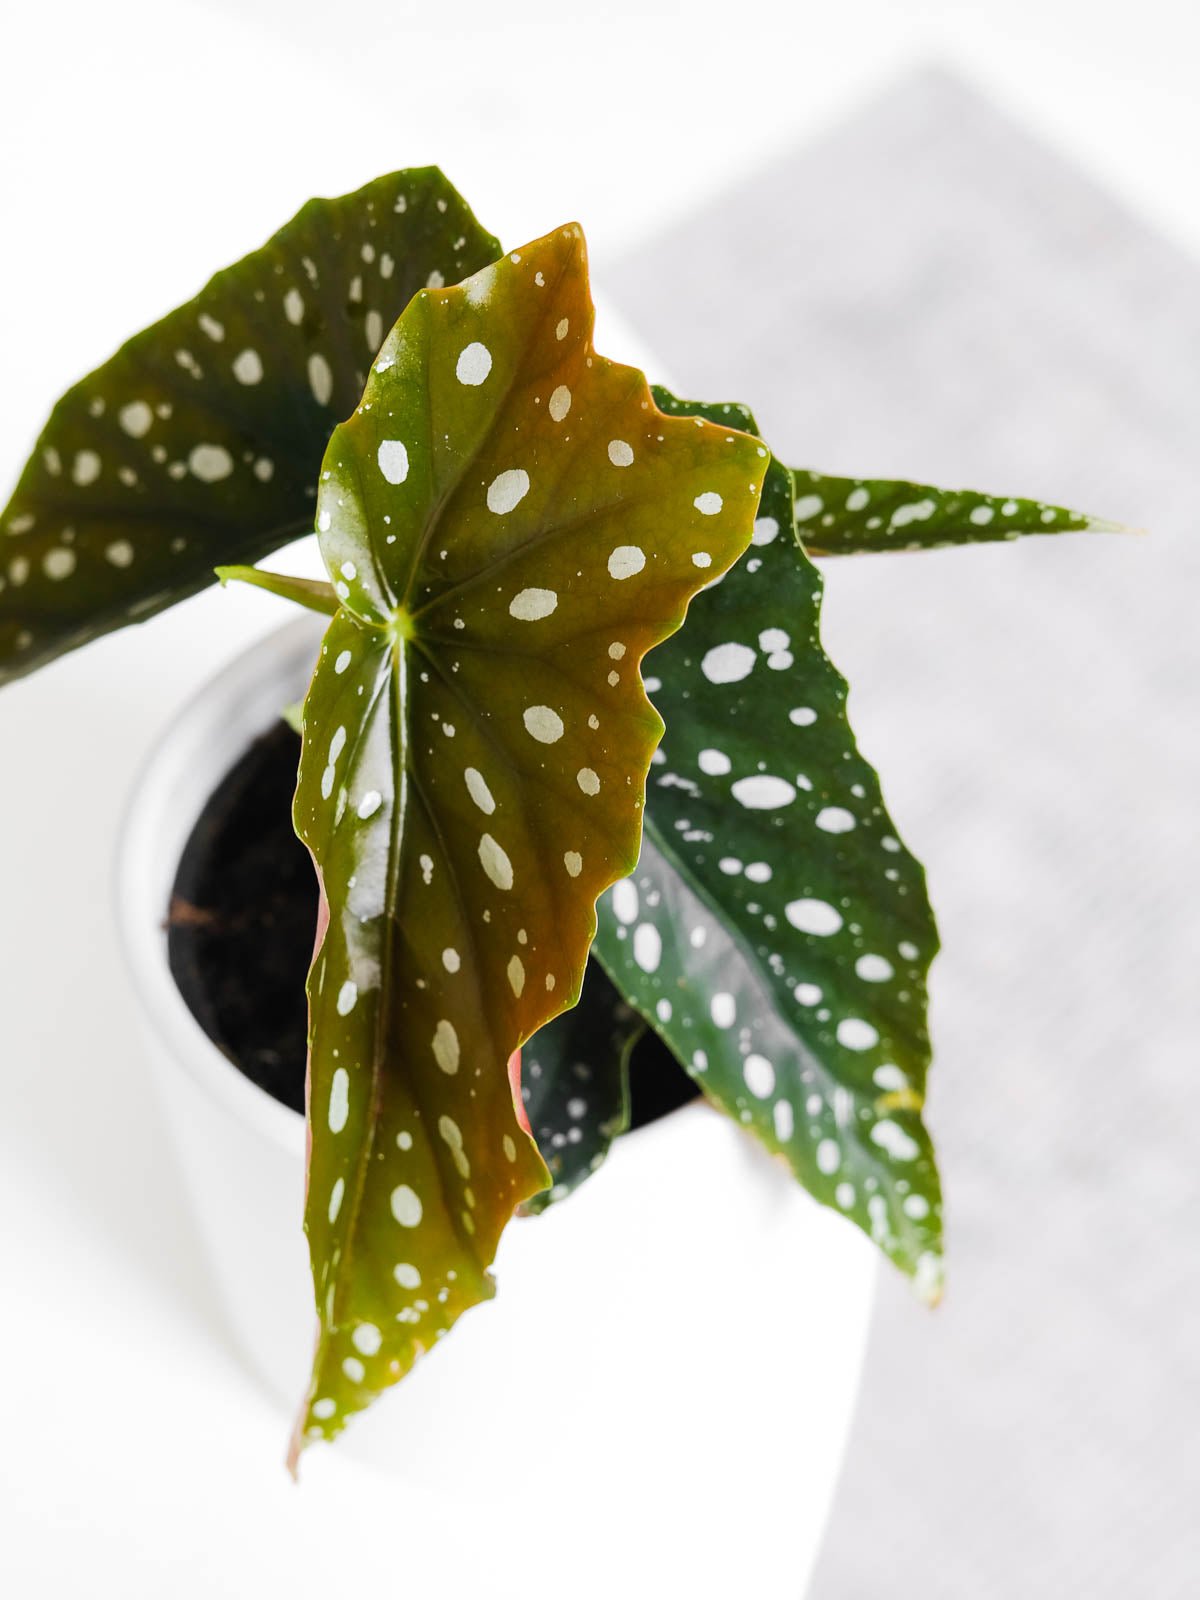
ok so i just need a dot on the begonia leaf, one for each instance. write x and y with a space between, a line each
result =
198 443
575 1084
776 932
510 524
856 516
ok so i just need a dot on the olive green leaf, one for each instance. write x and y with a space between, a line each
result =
776 933
510 524
199 441
575 1084
851 516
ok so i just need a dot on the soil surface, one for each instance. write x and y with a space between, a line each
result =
241 926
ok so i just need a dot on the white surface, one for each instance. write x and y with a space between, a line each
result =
1032 709
140 147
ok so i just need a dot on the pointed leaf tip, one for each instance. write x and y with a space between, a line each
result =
860 516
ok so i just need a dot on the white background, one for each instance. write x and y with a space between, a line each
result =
142 146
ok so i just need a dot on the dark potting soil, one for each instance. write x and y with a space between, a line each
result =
241 926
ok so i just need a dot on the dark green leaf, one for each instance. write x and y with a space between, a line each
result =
575 1083
776 932
851 516
199 442
510 525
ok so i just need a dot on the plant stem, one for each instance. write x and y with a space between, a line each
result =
308 592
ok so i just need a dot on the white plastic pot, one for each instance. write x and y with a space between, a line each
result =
673 1354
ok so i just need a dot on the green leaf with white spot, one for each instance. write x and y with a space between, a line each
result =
774 909
509 524
198 443
856 516
575 1084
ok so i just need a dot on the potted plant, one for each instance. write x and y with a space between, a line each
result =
523 901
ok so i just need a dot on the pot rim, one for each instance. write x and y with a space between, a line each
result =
206 736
